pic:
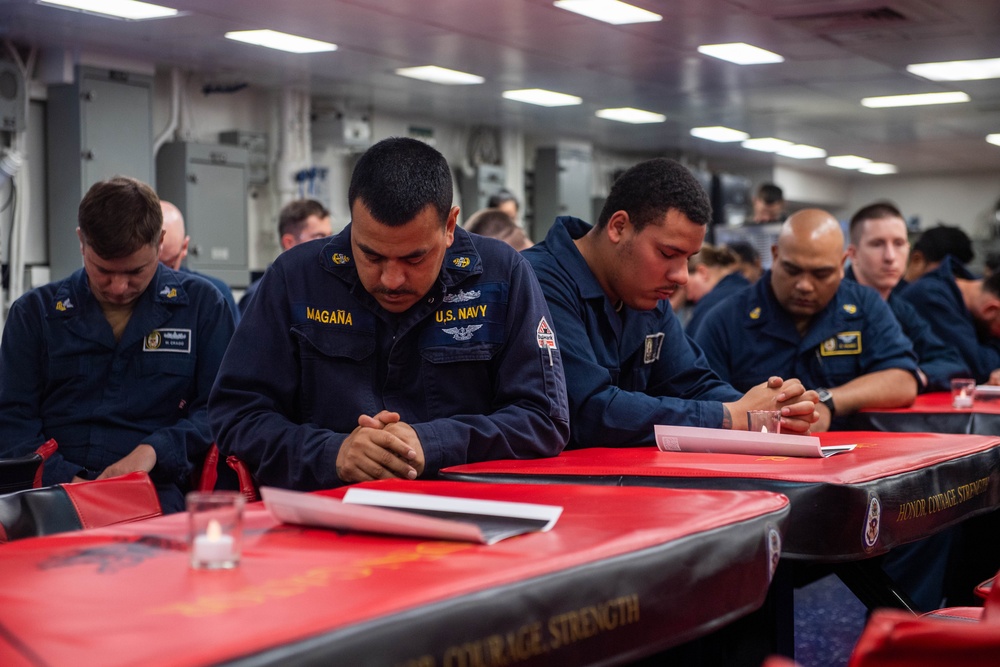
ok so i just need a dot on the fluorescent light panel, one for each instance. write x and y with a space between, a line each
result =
541 97
848 161
609 11
802 152
442 75
740 53
766 144
630 115
993 139
282 41
958 70
920 99
719 133
123 9
879 168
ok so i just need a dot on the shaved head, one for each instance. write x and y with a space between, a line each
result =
173 250
813 228
808 263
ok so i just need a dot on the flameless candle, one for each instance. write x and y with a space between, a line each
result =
213 547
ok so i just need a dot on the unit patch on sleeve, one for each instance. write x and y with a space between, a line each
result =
846 342
168 340
545 336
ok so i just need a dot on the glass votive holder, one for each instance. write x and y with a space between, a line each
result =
962 392
215 529
764 421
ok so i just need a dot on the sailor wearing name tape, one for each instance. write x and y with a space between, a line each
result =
629 365
803 319
401 345
116 361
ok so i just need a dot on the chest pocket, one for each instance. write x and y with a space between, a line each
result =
63 368
335 363
458 378
839 369
169 364
164 385
319 344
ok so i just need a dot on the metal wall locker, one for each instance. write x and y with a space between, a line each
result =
98 127
208 183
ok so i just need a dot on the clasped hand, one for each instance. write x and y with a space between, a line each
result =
381 447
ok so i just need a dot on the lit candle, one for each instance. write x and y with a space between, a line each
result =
963 400
213 547
763 429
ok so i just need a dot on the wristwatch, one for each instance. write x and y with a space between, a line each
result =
826 398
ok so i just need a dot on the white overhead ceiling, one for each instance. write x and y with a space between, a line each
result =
835 54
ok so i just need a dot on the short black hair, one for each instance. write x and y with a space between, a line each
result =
501 197
769 193
119 216
938 242
294 214
651 188
398 177
877 211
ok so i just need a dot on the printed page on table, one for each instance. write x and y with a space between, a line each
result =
723 441
412 514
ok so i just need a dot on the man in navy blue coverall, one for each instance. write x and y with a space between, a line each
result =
629 365
801 319
965 311
878 250
115 362
397 347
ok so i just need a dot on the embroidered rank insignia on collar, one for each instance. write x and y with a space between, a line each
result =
755 313
463 333
462 262
850 308
64 305
169 292
340 258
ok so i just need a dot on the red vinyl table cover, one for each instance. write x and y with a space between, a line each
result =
625 572
933 413
892 489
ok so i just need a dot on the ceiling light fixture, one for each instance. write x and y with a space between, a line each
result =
879 168
919 99
630 115
993 139
802 152
848 161
442 75
609 11
282 41
719 133
766 144
740 53
541 97
958 70
122 9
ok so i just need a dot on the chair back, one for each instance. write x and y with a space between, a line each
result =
894 638
66 507
25 472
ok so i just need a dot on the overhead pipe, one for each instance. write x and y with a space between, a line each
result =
175 111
